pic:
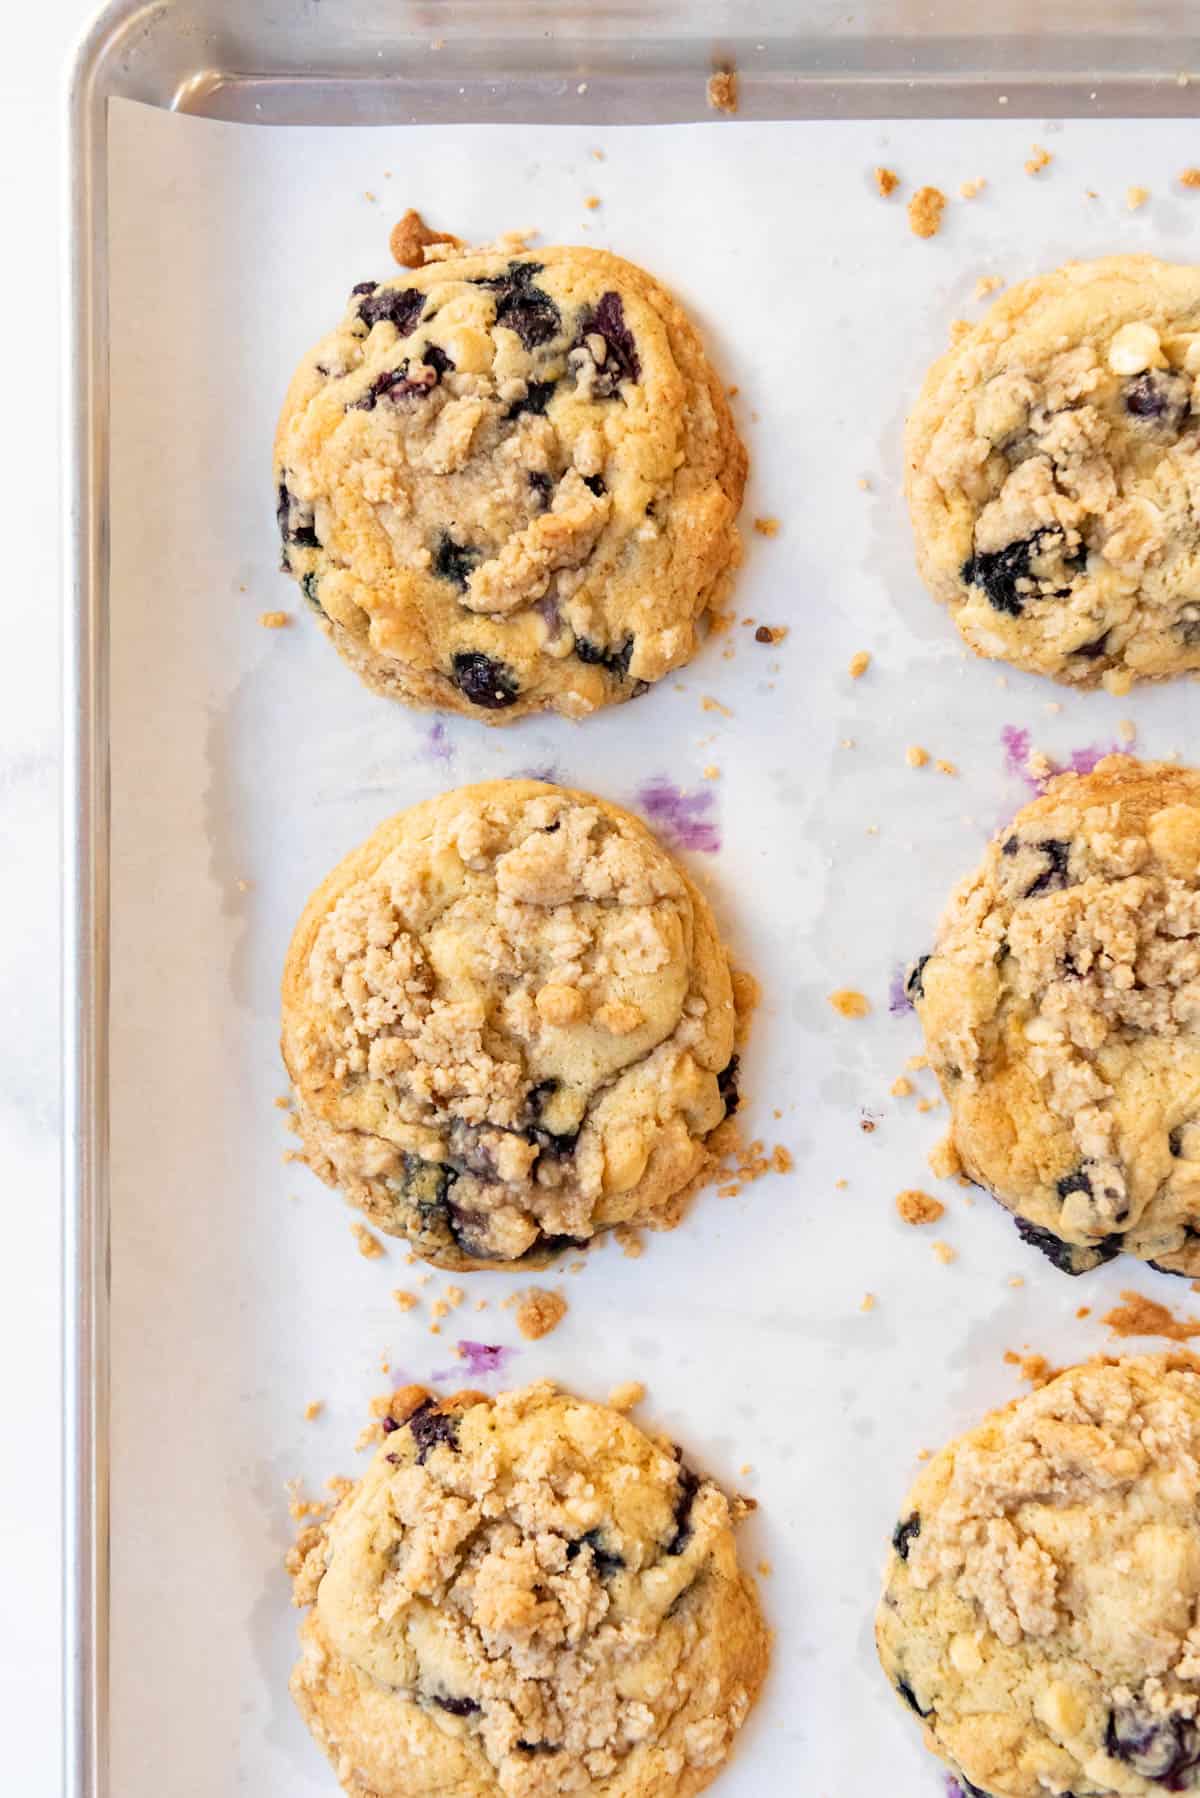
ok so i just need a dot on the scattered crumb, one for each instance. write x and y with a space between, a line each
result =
924 1454
745 1470
887 181
1084 1311
632 1246
1034 1368
944 1162
868 1302
369 1247
1117 681
916 1062
944 767
864 483
901 1087
849 1003
925 211
539 1312
368 195
928 1104
313 1410
840 1185
770 633
1139 1316
960 328
709 704
723 90
860 661
917 1207
274 621
1016 1279
591 201
971 190
764 1568
987 284
1190 178
1136 197
944 1253
767 527
866 1125
1126 730
915 756
781 1159
712 772
409 237
597 155
407 1301
628 1394
1039 159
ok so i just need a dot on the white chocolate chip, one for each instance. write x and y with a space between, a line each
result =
1135 348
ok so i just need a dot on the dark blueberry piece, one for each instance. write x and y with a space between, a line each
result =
1176 1273
727 1085
904 1532
1187 625
689 1485
970 1791
363 287
1161 1748
283 507
401 306
1078 1181
537 398
302 535
595 484
910 1698
1067 1257
396 384
457 1707
914 986
538 1747
389 1424
470 1155
615 660
564 1142
559 1245
1053 878
1175 1140
542 485
517 274
483 681
1010 846
454 561
1091 652
1158 396
426 1183
607 320
429 1427
308 586
434 357
998 571
521 306
606 1561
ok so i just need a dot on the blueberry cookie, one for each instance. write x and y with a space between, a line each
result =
1061 1009
1054 478
1040 1611
525 1596
507 482
509 1024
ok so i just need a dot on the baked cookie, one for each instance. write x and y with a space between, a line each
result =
507 482
1054 479
1061 1009
509 1024
525 1596
1040 1611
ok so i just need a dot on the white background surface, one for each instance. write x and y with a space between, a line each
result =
929 1393
246 763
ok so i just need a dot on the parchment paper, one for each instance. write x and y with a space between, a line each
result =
246 762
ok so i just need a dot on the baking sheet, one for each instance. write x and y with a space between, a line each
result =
245 762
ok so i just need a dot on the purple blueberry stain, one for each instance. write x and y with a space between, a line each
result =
438 747
898 999
682 819
1016 744
477 1359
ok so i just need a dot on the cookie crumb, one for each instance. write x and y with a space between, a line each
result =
764 1569
625 1396
410 236
767 527
887 181
1140 1316
925 211
1016 1279
1126 730
901 1087
1084 1311
917 1207
591 201
960 328
860 661
987 284
915 756
1034 1368
722 91
916 1062
850 1003
539 1312
1136 197
631 1244
369 1247
313 1410
407 1301
709 704
1190 178
971 190
1117 681
770 633
944 1253
928 1104
840 1185
274 621
867 1302
781 1159
1039 159
944 767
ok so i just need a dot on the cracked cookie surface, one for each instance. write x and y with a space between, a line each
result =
1040 1609
509 1024
525 1596
1053 473
507 482
1061 1009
